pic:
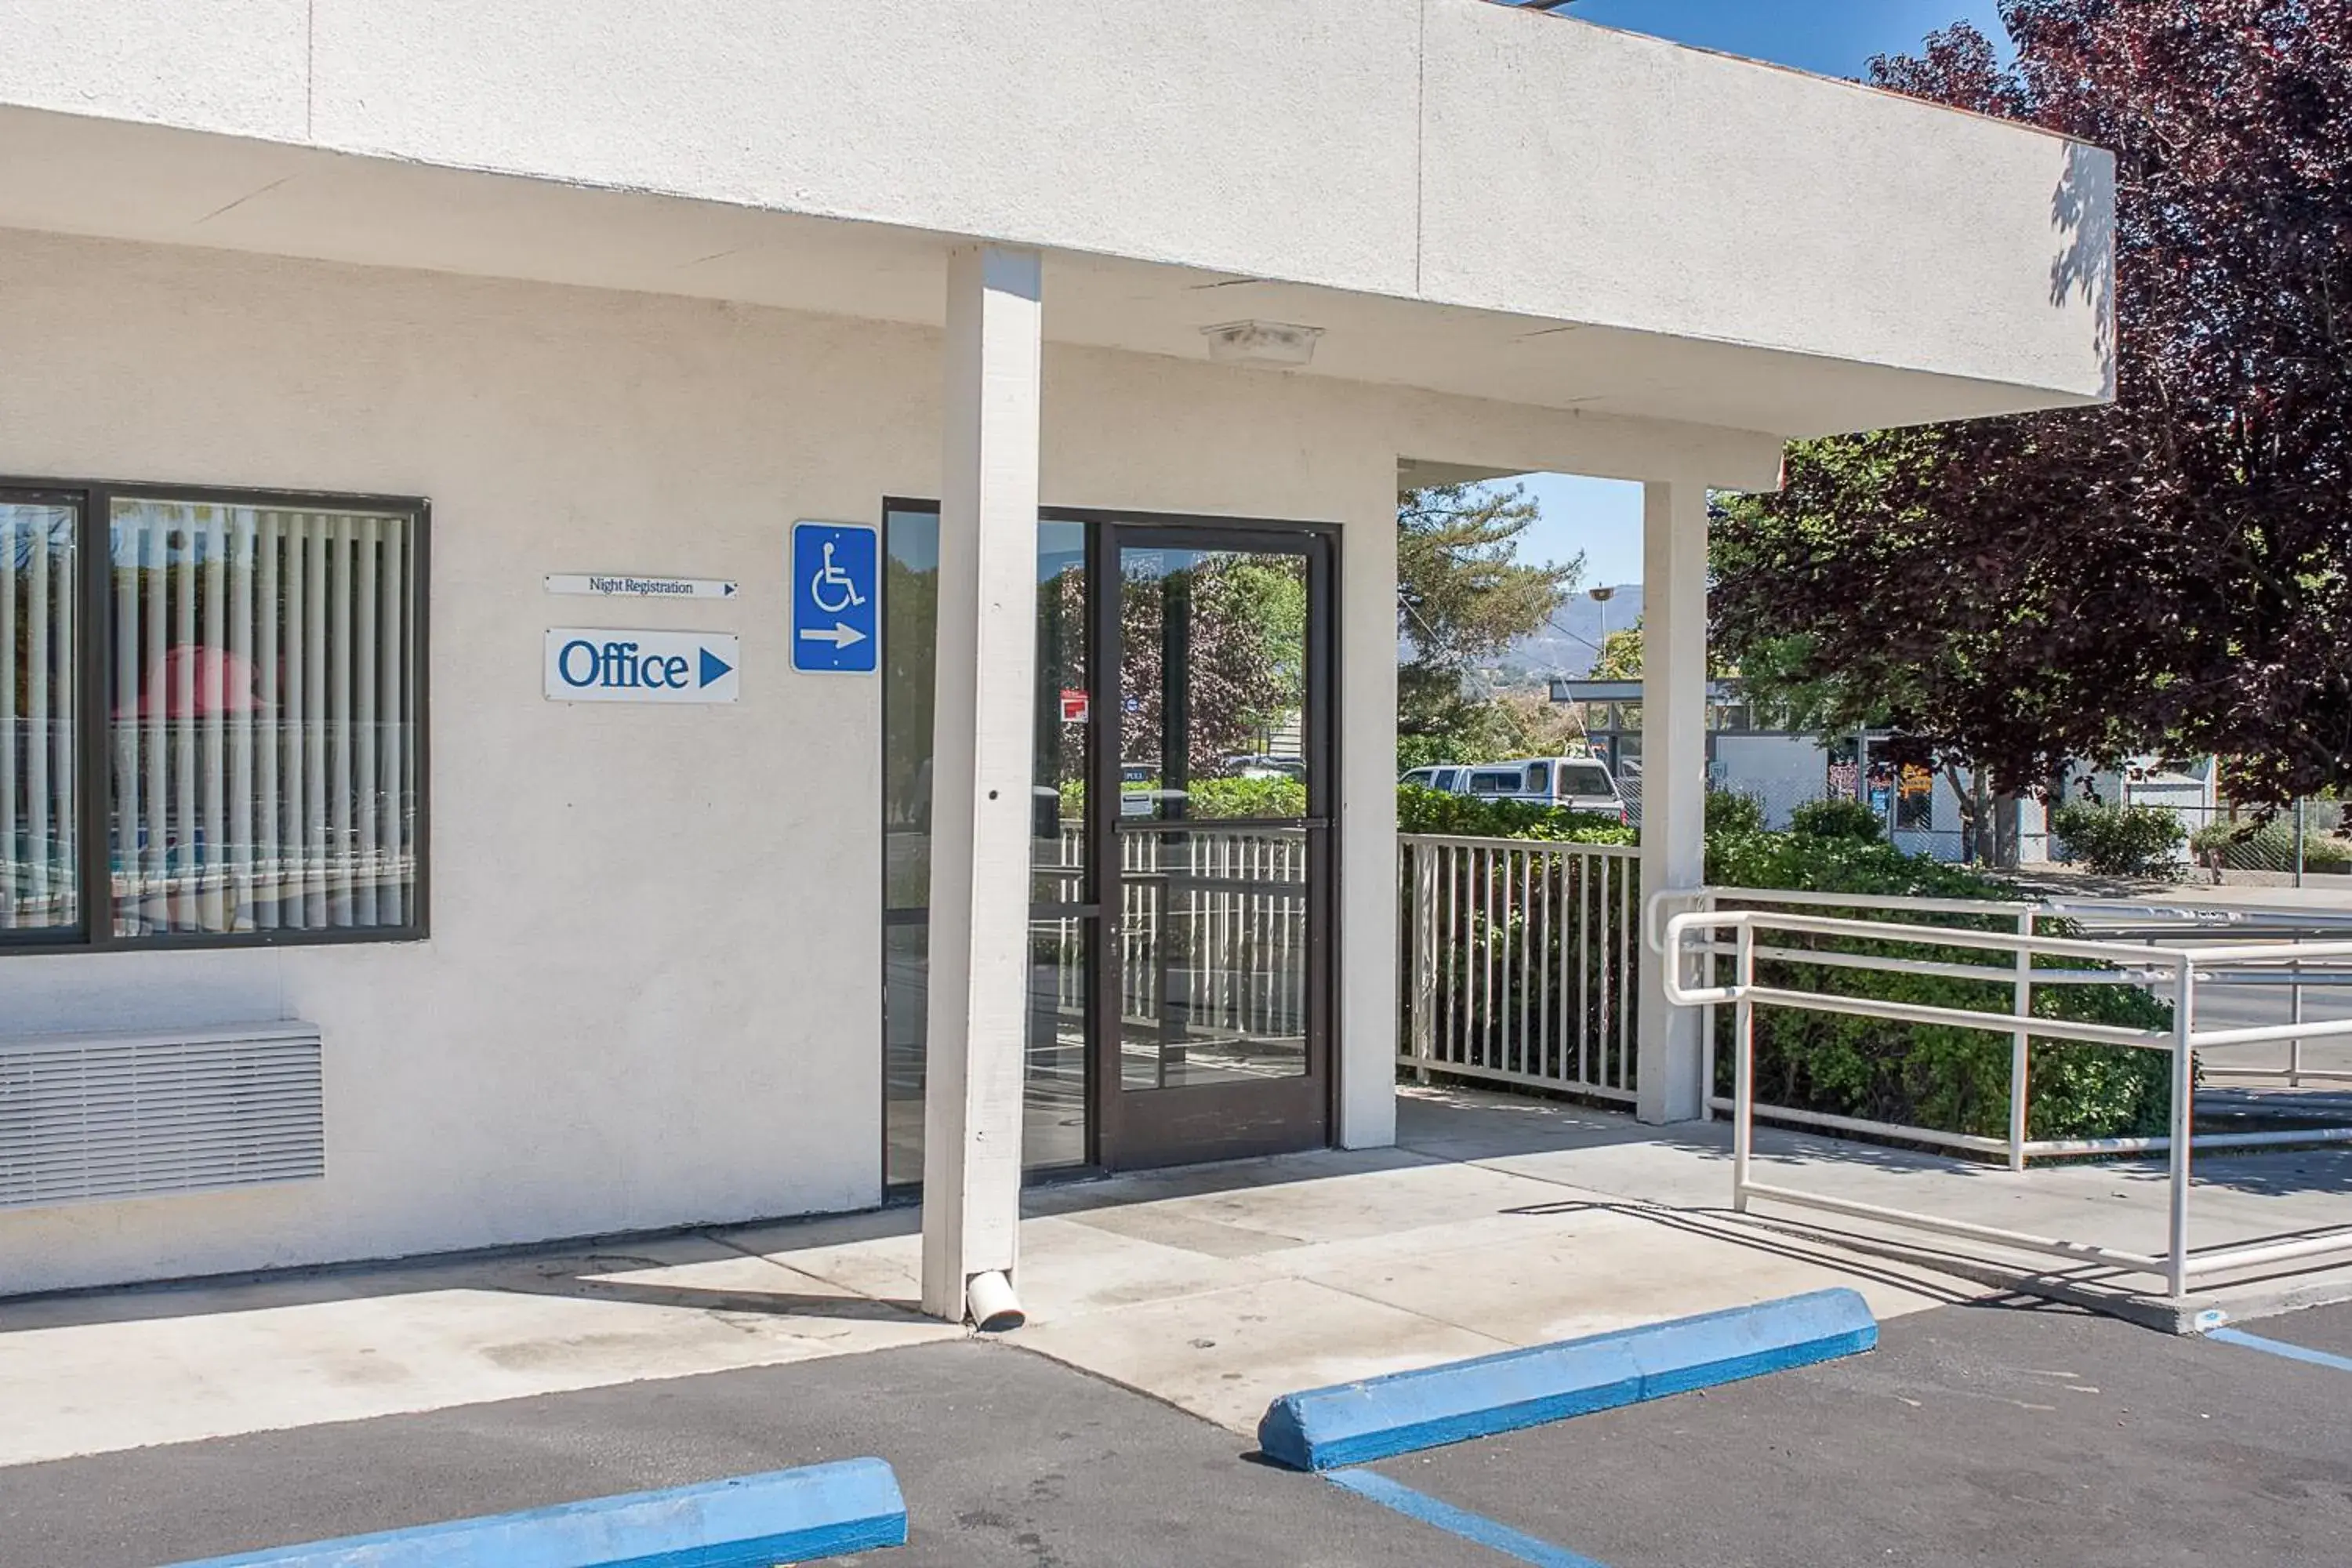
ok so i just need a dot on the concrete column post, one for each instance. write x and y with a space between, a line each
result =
1366 1043
1672 1060
984 727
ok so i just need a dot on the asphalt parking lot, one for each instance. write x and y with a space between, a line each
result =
1006 1459
1974 1434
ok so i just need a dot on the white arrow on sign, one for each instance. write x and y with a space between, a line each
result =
840 634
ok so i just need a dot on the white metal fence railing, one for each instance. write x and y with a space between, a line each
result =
1213 919
1705 934
1519 961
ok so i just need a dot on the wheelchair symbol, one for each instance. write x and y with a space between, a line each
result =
832 577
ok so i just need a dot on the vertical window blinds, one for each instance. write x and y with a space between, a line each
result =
236 702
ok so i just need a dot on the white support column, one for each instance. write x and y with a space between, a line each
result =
982 740
1673 1058
1365 1044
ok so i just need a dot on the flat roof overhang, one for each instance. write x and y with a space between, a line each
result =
1487 203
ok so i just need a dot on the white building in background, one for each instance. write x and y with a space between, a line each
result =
435 749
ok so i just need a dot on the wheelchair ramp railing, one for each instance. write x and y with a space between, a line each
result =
1777 946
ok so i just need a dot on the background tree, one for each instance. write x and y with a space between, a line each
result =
2174 573
1463 596
1620 657
1244 638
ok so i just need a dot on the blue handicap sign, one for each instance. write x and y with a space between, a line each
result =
836 598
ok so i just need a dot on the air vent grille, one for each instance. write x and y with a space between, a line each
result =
92 1117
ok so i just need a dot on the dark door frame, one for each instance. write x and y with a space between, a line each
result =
1202 1127
1167 1126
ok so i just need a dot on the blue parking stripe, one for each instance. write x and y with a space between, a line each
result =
2281 1347
1475 1527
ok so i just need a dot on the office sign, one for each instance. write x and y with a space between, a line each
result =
597 664
621 586
836 598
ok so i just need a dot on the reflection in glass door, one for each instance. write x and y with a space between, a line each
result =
1179 846
1063 910
1216 1015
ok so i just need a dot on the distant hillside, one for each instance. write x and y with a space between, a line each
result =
1555 651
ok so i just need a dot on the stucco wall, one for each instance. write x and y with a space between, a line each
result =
1605 176
1451 151
651 994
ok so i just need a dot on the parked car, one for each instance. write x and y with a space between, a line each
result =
1447 778
1263 767
1578 784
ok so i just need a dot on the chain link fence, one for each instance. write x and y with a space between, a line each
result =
2291 847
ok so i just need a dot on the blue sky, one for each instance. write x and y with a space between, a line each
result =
1835 38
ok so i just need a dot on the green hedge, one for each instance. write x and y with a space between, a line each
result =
1728 812
1442 813
1247 797
1213 798
1952 1080
1837 819
2267 847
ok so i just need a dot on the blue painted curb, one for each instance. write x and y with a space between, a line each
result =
1355 1423
751 1521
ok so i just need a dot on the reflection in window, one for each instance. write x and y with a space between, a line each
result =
262 699
39 854
1226 631
1055 1105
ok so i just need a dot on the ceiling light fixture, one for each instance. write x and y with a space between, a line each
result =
1276 343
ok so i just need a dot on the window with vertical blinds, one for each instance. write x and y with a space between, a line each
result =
40 859
241 688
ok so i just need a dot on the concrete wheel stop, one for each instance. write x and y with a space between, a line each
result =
749 1521
1356 1423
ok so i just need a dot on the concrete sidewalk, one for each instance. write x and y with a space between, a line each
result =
1213 1288
1498 1222
1687 1169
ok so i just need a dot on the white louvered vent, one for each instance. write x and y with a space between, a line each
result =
86 1117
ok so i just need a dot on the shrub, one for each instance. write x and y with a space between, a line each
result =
1453 816
1247 797
2258 846
1837 819
2129 841
1953 1080
1728 812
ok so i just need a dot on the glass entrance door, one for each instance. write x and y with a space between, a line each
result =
1064 910
1180 841
1211 1022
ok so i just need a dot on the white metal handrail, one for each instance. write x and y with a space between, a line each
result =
2177 969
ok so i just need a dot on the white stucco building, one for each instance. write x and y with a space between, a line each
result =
338 327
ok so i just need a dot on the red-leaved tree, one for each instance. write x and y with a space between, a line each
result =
2173 573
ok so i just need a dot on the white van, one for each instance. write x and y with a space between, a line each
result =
1578 784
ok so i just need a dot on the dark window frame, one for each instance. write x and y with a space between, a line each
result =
93 761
